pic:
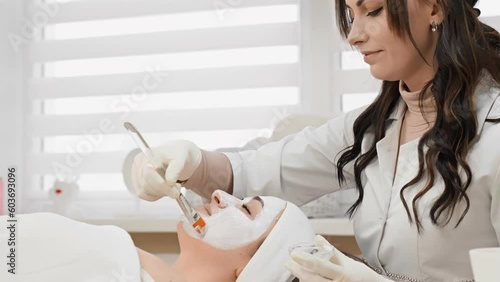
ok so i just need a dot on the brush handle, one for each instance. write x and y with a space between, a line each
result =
191 214
194 218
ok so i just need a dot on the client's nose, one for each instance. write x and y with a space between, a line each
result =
217 199
223 199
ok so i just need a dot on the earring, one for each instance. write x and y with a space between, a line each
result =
434 26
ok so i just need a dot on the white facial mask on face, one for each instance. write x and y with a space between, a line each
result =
231 228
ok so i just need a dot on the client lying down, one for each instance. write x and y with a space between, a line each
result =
246 240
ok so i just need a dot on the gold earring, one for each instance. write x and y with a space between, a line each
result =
434 26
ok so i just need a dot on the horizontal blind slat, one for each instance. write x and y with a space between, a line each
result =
282 75
265 35
159 121
111 162
102 10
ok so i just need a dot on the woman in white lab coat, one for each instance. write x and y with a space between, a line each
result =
424 156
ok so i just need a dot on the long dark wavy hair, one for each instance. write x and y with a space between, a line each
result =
466 48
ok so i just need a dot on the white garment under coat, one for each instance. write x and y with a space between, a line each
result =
302 167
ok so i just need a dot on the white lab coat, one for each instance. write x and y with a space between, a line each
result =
302 168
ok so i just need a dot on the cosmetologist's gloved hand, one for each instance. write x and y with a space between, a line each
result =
179 157
338 267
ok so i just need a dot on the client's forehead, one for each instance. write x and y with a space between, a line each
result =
258 199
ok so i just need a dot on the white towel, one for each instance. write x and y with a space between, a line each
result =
268 263
53 248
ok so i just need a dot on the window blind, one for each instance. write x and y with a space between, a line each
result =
214 72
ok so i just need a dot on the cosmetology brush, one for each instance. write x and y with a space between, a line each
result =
194 217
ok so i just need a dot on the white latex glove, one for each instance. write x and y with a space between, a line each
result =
339 268
179 157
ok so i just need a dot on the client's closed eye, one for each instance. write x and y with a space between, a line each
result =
247 209
252 207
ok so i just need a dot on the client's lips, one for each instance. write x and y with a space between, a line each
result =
203 209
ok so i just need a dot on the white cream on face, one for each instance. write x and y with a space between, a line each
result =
230 228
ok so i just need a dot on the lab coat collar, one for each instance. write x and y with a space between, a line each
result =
485 95
399 111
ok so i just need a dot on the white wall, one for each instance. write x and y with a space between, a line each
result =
11 100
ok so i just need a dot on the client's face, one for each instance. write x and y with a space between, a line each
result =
232 222
235 230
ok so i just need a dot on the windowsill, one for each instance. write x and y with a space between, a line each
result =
160 216
324 226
